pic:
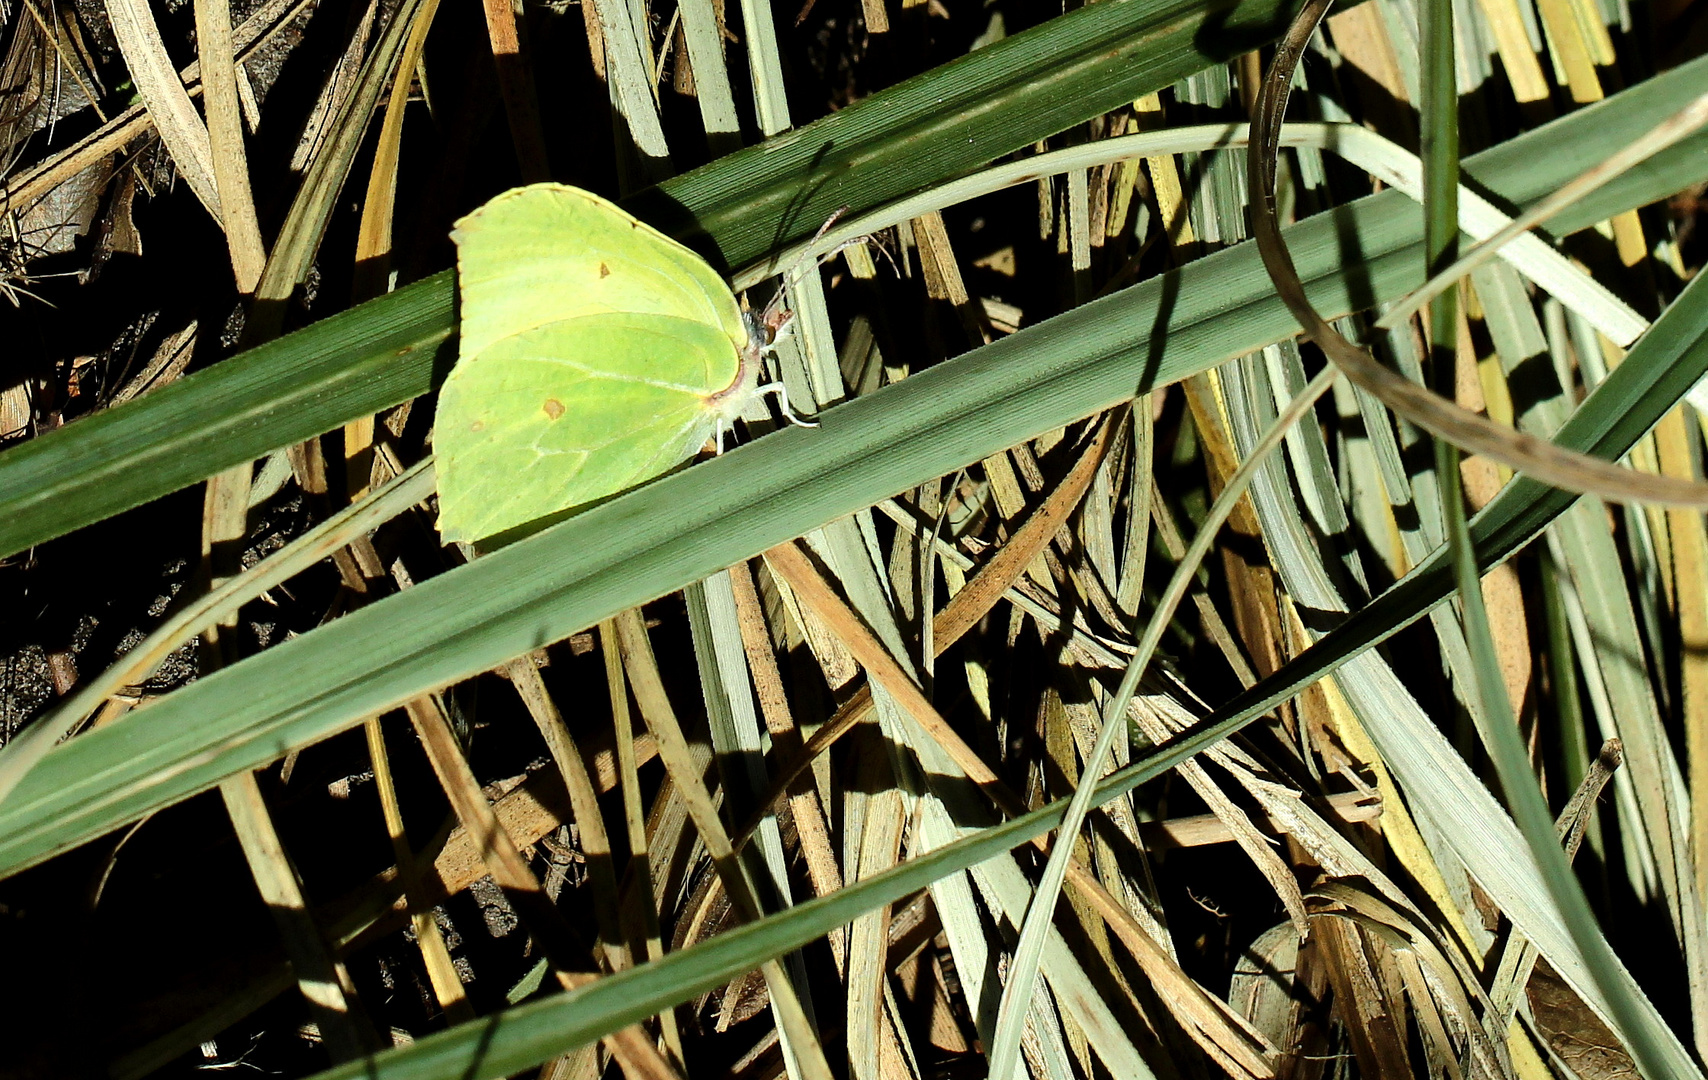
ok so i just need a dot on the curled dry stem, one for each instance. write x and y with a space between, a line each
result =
1472 432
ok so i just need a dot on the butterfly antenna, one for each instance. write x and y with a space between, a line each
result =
789 275
793 272
781 393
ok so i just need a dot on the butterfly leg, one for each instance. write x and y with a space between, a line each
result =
781 393
719 428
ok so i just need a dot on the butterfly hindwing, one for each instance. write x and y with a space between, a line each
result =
569 412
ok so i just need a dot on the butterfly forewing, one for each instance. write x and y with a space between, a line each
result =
548 252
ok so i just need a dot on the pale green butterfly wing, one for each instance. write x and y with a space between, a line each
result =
549 252
595 353
570 412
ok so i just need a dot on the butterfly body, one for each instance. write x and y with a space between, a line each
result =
595 353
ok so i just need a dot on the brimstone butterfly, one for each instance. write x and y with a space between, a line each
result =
596 353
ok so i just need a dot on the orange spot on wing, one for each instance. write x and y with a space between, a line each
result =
553 408
604 271
478 425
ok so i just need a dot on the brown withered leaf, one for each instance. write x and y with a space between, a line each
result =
1573 1030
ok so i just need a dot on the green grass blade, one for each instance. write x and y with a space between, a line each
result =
394 348
922 132
383 352
691 524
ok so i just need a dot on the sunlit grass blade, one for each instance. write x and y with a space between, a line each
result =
392 349
1005 1051
691 524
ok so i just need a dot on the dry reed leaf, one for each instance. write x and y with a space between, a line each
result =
631 1046
986 587
1360 34
257 29
655 707
435 957
323 979
1451 980
374 235
229 161
1573 1031
1245 833
1526 453
335 89
183 132
793 566
943 279
1523 70
516 87
645 938
1518 956
810 819
583 797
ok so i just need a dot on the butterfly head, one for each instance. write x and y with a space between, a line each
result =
731 402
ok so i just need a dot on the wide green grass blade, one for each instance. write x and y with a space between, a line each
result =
915 135
293 388
707 517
